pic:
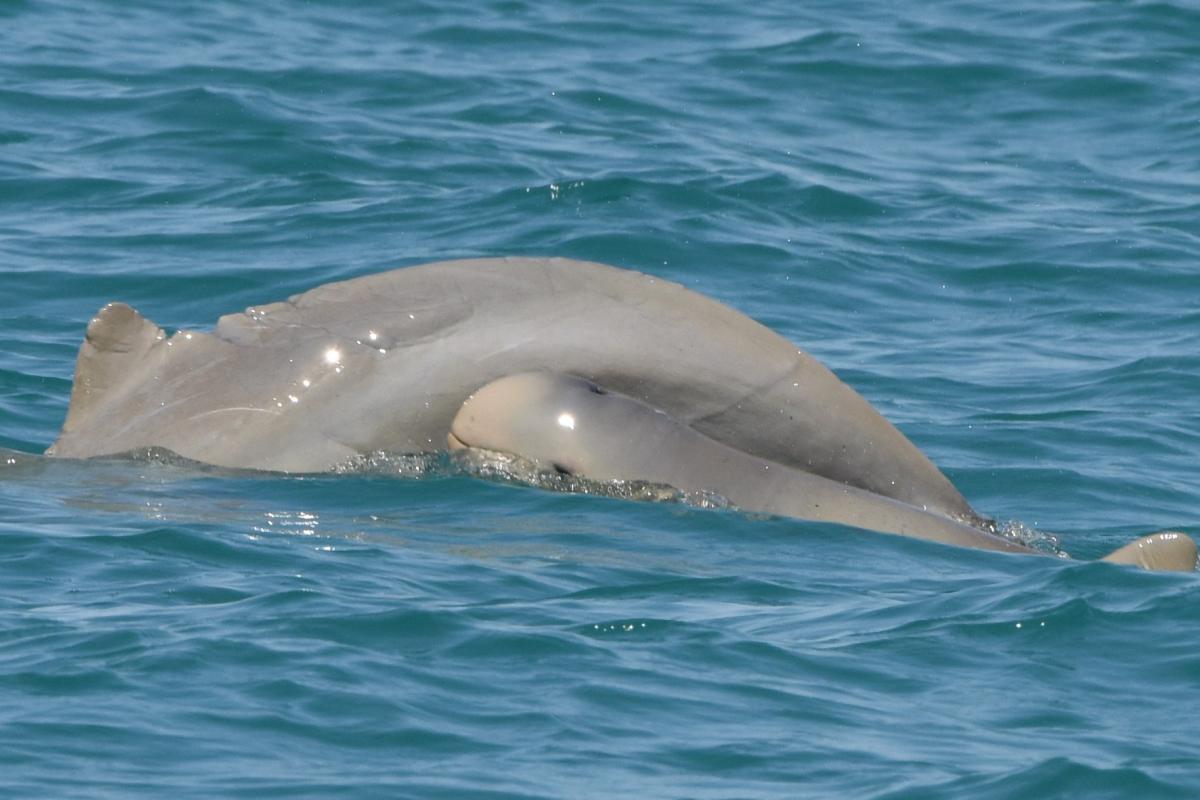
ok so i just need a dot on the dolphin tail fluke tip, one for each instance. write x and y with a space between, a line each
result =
1165 550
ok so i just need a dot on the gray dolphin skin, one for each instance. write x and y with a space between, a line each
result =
386 361
571 425
568 424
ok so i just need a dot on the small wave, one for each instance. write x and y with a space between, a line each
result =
506 468
1051 777
402 465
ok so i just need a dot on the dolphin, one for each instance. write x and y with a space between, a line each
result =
571 425
385 362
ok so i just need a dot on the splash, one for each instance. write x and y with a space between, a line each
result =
508 468
1017 531
401 465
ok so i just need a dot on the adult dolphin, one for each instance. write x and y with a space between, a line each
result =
384 362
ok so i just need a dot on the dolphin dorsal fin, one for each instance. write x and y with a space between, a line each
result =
117 342
1166 550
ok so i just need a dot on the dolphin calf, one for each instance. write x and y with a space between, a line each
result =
386 362
570 425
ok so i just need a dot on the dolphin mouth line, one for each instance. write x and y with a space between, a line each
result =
454 443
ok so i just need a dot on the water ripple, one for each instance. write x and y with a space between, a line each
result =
982 217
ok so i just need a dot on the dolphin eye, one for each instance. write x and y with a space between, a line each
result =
561 470
594 389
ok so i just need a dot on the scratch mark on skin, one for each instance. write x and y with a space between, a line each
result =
271 411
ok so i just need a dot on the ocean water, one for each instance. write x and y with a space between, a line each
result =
984 217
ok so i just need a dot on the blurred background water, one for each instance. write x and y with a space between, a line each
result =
983 217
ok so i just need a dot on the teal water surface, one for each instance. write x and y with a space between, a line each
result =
983 217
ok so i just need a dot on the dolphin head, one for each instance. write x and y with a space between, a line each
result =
560 421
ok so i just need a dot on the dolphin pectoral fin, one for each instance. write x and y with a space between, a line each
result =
1165 550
